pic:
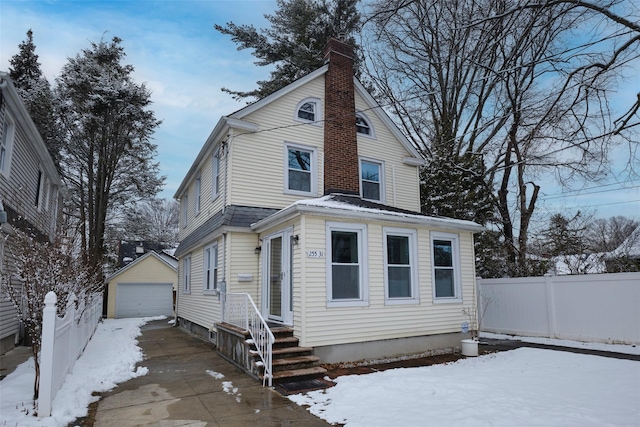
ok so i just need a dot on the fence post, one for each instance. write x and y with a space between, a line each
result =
46 354
551 304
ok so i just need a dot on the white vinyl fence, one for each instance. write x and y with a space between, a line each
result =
590 307
63 341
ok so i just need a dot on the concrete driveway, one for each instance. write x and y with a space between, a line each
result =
183 388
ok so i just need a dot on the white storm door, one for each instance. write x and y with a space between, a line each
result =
277 280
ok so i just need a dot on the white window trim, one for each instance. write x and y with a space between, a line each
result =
314 169
209 288
363 257
7 141
215 172
317 113
455 247
186 274
382 181
413 265
372 132
185 210
198 191
40 190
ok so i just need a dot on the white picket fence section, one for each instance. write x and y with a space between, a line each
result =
63 341
601 308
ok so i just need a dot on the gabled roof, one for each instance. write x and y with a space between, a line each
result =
166 259
21 115
354 207
232 216
235 121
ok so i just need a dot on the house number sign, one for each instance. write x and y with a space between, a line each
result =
315 254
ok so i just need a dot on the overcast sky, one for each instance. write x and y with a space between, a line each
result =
184 61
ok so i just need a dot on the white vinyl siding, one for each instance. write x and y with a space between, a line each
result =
335 325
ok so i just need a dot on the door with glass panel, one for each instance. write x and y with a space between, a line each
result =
277 279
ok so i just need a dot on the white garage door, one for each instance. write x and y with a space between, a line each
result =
144 299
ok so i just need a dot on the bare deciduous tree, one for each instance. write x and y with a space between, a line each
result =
525 86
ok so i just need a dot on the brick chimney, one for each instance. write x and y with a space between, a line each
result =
341 170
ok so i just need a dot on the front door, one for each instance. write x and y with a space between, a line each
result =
277 279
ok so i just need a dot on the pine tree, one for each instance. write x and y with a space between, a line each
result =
294 44
35 92
108 157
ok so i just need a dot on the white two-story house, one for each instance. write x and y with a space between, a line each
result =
308 201
30 193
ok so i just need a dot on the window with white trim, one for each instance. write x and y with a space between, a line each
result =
210 267
196 209
347 281
308 110
362 125
400 265
6 144
300 170
445 257
216 174
40 190
185 209
371 180
186 275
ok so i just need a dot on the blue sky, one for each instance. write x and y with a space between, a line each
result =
184 61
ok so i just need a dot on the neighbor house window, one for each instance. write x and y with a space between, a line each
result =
40 190
400 265
186 275
210 263
185 209
216 174
446 266
6 145
347 264
371 183
308 110
196 209
300 170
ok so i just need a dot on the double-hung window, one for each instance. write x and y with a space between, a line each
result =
446 267
185 209
210 265
216 174
6 144
196 209
400 265
186 275
347 264
300 170
371 182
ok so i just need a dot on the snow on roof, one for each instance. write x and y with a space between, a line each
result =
630 247
352 205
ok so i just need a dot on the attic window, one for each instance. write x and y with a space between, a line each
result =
308 111
363 125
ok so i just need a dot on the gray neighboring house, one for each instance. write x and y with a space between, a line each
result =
30 193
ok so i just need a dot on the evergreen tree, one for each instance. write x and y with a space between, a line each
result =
294 44
108 157
36 94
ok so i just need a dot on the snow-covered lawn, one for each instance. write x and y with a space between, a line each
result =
109 358
523 387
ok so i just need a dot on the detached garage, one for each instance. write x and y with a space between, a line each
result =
143 288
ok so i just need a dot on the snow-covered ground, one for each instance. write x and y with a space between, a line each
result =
523 387
109 358
616 348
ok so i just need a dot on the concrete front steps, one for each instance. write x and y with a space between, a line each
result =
290 361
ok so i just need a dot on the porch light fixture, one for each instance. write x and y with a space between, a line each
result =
295 239
257 250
